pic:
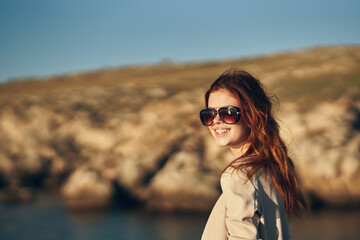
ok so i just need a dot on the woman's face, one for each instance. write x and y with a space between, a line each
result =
232 135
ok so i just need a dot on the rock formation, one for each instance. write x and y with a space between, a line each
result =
136 131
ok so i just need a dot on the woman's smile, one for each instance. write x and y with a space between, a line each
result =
221 131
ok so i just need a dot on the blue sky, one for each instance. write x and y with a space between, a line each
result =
48 37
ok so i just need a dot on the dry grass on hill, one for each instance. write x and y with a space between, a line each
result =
322 73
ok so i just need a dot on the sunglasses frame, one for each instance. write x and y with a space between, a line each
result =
217 112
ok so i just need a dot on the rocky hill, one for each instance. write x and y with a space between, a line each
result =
132 134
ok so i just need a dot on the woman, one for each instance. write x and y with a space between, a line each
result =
260 187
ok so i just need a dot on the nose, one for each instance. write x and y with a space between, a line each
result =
217 119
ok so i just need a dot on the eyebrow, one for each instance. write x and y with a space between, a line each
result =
222 106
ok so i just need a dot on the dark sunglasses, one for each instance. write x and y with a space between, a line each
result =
228 115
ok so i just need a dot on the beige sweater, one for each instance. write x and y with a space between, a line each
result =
247 210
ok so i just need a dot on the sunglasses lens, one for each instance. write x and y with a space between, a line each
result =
228 114
207 116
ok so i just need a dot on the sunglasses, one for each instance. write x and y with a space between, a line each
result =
228 115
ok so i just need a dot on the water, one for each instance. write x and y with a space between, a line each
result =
46 218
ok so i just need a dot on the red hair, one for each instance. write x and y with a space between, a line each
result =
266 148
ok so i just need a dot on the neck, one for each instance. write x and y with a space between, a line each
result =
239 151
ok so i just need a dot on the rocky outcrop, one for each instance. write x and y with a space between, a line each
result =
124 141
86 188
326 147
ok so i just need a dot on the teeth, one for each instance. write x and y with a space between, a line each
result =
220 131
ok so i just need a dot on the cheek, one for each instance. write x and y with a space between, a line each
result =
241 132
212 132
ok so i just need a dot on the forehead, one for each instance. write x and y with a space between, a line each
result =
221 98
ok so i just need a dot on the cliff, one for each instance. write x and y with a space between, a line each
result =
132 134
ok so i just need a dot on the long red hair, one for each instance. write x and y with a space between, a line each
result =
266 148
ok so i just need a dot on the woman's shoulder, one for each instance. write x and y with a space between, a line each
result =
235 180
259 187
240 177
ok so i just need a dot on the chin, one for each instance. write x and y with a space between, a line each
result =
221 143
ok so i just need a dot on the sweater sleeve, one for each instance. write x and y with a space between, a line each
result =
241 218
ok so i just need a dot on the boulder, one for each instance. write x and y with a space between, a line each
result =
181 185
87 189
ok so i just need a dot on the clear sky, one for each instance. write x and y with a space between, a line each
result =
50 37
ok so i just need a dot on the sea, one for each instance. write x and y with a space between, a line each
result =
46 218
